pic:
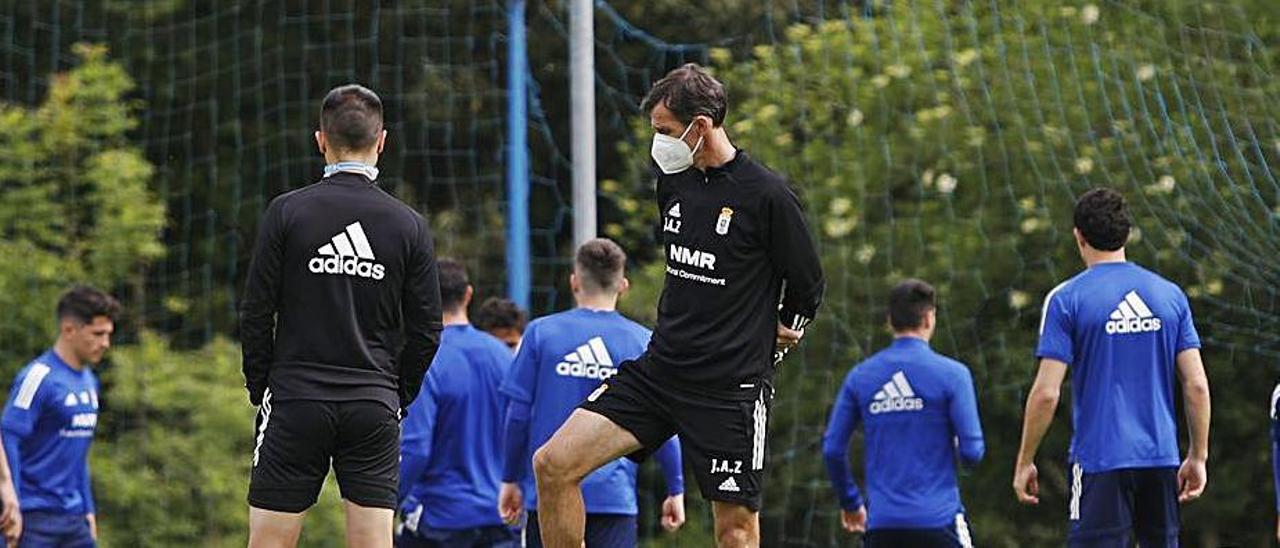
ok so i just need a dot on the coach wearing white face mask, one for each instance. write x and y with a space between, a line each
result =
743 281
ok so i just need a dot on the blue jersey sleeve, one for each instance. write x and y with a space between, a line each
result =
1188 337
845 416
522 377
668 457
27 400
965 421
515 464
1055 328
416 434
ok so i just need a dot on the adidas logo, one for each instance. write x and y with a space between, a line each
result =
674 211
730 485
348 253
589 361
1132 316
896 395
71 401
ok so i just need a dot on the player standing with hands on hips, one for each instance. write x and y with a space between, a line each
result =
1127 336
339 321
735 239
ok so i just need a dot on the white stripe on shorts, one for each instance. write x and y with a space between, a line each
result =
761 416
1076 488
262 428
962 532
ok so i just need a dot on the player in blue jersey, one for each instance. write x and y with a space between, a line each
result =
920 415
49 421
562 359
1127 336
450 451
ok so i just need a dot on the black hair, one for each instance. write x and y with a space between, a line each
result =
453 283
83 304
909 301
688 91
351 117
600 263
1102 215
497 313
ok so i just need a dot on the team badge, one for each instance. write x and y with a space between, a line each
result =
722 223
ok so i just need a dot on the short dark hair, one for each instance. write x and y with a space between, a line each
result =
1103 219
688 91
600 263
351 117
83 303
453 283
497 313
909 301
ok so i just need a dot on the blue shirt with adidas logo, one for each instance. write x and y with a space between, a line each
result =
48 426
920 414
1119 327
562 358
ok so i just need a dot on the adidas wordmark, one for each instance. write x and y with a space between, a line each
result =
347 253
589 361
896 395
1132 316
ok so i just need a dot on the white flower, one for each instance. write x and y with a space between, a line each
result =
866 253
1084 165
880 80
839 227
1089 14
965 57
898 70
946 183
1166 183
1146 72
1019 299
841 206
927 177
855 117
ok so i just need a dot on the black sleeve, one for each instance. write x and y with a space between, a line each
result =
259 303
422 316
792 252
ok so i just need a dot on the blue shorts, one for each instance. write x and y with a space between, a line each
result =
1107 507
498 536
956 535
51 530
603 531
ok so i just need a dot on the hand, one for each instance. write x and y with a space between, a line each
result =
854 521
673 512
1192 479
1278 527
787 338
510 503
13 528
9 502
93 526
1026 483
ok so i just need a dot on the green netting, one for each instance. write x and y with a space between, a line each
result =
935 139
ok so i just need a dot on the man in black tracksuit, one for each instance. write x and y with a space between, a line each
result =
340 319
743 280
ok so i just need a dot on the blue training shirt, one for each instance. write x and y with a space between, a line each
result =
48 426
920 414
1119 327
451 441
562 358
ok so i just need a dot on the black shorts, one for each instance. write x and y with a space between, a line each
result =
295 440
722 431
1107 507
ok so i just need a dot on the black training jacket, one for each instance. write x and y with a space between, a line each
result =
739 260
342 299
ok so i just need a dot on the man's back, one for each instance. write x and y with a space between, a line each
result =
1120 328
563 358
459 416
344 267
918 408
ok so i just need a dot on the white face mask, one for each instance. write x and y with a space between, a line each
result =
672 154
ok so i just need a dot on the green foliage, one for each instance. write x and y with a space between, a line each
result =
175 443
74 202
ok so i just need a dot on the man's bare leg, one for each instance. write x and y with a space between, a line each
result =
368 527
583 443
271 529
736 525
